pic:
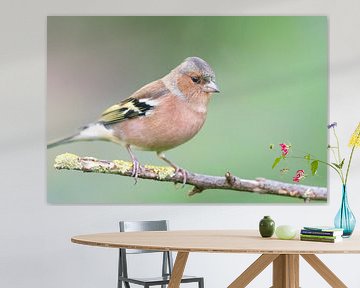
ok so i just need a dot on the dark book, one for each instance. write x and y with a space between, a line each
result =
321 233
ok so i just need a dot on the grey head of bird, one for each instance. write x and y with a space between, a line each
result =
193 75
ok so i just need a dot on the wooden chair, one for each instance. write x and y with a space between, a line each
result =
167 262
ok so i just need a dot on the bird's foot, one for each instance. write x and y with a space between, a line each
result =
135 169
182 171
184 174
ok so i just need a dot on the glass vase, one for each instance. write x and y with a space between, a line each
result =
345 219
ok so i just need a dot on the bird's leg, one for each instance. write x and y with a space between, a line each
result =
136 165
182 171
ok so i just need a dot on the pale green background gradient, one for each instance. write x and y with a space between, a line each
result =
272 73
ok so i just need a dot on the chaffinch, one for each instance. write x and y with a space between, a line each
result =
159 116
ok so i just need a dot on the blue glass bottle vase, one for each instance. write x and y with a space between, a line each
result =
345 219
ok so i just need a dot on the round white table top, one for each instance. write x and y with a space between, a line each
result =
219 241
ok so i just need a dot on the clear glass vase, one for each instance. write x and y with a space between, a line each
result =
345 219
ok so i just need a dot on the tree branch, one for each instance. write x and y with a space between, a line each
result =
198 181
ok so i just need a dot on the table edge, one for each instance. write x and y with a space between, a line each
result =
75 240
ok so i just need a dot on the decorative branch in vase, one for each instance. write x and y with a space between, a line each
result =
344 219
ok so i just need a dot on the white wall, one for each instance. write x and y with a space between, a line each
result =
35 248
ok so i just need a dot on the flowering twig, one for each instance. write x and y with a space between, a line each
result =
316 159
314 162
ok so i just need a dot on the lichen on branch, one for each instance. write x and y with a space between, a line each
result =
199 182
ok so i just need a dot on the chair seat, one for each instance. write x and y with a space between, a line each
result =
158 280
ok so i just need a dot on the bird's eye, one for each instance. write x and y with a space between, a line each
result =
195 79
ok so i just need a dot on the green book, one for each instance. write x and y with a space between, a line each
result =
321 239
319 236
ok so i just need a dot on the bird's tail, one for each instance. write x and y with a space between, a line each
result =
94 131
62 141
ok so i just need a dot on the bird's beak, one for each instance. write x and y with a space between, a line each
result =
211 87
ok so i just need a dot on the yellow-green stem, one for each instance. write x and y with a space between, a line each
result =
340 159
351 155
348 167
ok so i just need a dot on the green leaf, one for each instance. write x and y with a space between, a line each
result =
307 157
314 166
339 166
276 162
342 163
336 165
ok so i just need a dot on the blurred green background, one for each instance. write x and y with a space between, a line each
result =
272 73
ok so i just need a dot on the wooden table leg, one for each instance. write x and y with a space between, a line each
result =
293 264
324 271
286 271
178 270
253 270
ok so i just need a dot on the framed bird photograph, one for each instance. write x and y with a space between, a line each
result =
187 109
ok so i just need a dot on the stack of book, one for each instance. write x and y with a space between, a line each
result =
321 234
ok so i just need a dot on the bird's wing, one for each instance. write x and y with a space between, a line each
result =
141 103
127 109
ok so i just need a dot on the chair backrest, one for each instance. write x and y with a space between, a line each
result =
134 226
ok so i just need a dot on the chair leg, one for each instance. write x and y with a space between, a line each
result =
119 270
201 283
